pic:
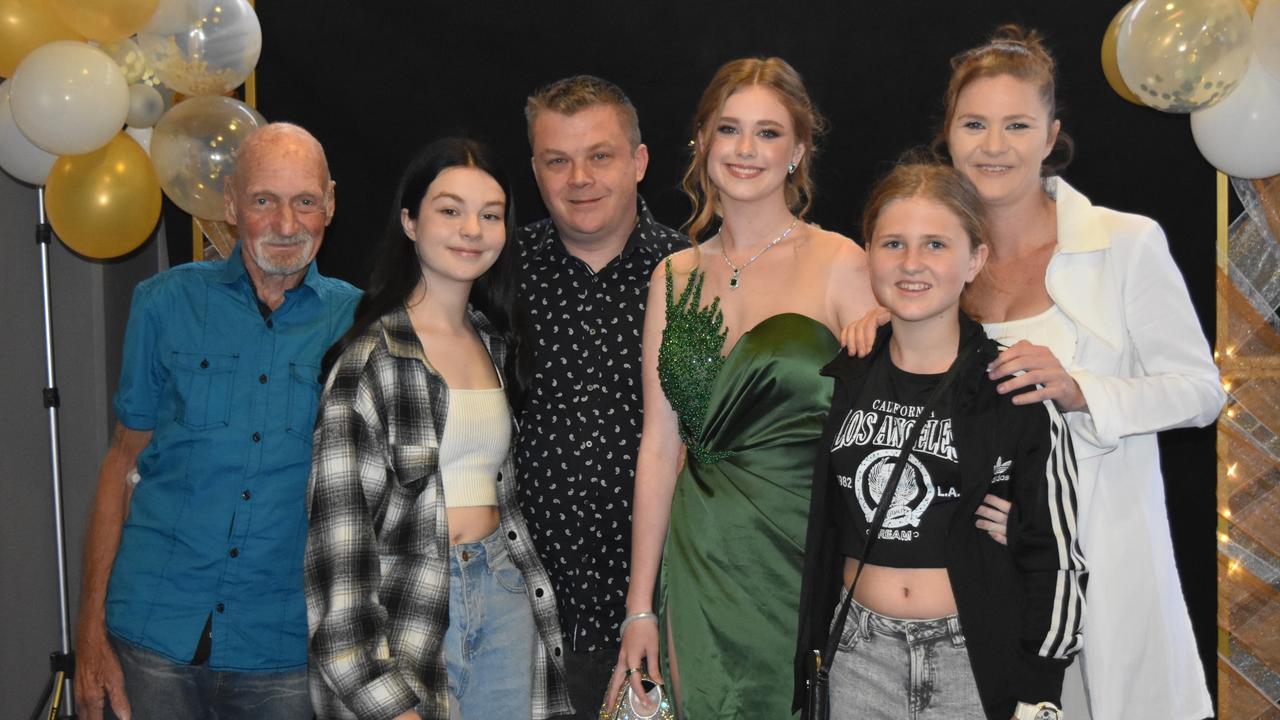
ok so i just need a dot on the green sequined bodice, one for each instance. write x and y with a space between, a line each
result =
689 358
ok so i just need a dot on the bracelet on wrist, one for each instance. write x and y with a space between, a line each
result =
622 629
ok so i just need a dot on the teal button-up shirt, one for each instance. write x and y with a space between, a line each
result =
217 524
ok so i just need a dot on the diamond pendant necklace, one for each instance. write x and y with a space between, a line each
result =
734 282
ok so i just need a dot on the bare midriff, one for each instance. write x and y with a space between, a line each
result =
471 524
903 593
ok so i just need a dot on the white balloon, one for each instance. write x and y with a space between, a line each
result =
69 98
19 156
1241 135
142 136
145 106
1266 36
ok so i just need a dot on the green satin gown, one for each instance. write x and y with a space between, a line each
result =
730 589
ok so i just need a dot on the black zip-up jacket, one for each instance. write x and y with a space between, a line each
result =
1020 606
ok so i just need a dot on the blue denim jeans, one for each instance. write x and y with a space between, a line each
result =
159 688
910 669
489 646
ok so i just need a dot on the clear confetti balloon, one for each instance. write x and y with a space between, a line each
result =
128 55
202 47
1179 56
193 149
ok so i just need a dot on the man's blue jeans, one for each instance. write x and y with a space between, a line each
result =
158 688
489 645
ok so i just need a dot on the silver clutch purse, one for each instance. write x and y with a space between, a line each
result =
624 707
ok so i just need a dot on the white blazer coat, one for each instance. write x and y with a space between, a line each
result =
1144 366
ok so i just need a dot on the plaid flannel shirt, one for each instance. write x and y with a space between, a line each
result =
377 562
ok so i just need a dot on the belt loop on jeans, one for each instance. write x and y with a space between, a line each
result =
953 629
495 545
864 622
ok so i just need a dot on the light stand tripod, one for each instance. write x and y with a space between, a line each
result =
62 663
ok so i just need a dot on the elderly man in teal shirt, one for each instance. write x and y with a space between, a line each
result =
192 600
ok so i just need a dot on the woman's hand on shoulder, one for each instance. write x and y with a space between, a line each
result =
1038 367
860 335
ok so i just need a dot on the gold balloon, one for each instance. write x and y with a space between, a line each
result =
106 20
26 25
104 204
1110 68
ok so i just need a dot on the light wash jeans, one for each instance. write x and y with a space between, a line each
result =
161 689
910 669
489 646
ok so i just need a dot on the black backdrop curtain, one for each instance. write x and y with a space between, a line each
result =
376 80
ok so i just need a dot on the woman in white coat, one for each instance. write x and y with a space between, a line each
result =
1095 312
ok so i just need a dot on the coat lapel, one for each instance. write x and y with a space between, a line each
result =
1078 276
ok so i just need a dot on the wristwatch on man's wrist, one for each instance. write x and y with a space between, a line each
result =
1039 711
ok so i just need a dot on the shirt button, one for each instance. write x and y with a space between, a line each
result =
257 437
262 379
557 652
235 552
270 324
220 607
204 364
246 495
512 535
538 593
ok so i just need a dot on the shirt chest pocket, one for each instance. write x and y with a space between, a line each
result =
416 504
304 393
205 383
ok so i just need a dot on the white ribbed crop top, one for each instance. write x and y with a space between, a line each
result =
477 436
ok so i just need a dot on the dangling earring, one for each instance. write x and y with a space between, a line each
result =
791 168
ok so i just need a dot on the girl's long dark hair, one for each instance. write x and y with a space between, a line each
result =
396 271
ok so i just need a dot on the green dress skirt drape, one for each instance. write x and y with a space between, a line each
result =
730 583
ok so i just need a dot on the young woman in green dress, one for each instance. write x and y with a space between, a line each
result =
734 405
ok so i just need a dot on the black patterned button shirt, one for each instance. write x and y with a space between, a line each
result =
580 428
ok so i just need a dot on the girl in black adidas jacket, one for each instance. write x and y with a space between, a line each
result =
946 622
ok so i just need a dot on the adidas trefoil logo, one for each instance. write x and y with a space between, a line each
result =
1000 471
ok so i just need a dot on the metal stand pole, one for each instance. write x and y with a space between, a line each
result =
62 662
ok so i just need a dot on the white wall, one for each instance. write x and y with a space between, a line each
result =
90 307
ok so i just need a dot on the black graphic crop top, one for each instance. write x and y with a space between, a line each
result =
863 455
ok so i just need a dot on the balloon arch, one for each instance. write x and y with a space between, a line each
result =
109 103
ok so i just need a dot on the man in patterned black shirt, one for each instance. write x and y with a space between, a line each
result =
586 275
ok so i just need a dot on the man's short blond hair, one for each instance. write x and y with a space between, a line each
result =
572 94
